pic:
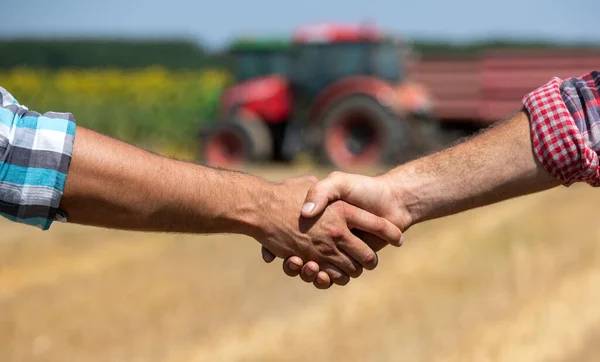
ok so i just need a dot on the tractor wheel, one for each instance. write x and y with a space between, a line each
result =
427 134
359 132
232 144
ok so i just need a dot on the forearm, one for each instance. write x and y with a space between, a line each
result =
116 185
496 165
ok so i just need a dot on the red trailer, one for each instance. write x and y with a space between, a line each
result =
483 88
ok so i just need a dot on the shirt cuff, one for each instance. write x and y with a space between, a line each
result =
558 143
35 166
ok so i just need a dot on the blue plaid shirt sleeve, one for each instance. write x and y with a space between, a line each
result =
35 154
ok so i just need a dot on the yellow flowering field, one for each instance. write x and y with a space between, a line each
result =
153 107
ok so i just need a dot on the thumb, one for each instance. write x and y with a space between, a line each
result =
334 187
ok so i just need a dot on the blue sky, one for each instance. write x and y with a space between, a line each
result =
217 21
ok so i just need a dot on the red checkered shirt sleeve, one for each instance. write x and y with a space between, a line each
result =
565 127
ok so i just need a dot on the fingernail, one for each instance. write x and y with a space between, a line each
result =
294 266
308 208
401 240
309 272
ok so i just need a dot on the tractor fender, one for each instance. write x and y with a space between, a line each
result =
414 99
372 87
269 97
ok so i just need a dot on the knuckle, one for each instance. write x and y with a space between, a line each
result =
312 178
348 266
325 249
337 233
380 225
314 190
343 209
313 193
351 268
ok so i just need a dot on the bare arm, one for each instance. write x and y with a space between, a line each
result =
496 165
115 185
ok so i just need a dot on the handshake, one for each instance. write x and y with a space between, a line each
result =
333 233
326 231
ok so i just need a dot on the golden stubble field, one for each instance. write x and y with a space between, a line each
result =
516 281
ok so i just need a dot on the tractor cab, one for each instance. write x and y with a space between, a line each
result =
324 54
255 59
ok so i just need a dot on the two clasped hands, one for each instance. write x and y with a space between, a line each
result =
345 219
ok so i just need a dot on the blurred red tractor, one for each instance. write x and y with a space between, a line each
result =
338 92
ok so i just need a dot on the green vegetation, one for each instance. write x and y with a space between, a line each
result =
153 107
106 53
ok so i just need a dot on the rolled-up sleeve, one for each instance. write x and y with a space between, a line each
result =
565 127
35 154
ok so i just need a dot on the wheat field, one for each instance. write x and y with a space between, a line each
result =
515 281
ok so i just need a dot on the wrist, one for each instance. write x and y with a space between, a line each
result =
250 215
409 190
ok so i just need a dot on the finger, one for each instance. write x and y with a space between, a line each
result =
292 266
360 219
336 275
309 272
356 268
359 253
267 255
336 186
323 278
323 281
371 240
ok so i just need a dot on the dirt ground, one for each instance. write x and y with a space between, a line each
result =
516 281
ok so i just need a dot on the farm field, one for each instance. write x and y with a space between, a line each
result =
153 107
516 281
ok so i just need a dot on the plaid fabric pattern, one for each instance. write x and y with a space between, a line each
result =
35 153
565 120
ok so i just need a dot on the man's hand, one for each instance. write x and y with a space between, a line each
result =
327 239
372 194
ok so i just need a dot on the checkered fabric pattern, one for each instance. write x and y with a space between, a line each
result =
35 153
565 120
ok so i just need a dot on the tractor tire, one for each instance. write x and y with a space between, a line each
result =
427 134
232 144
359 132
